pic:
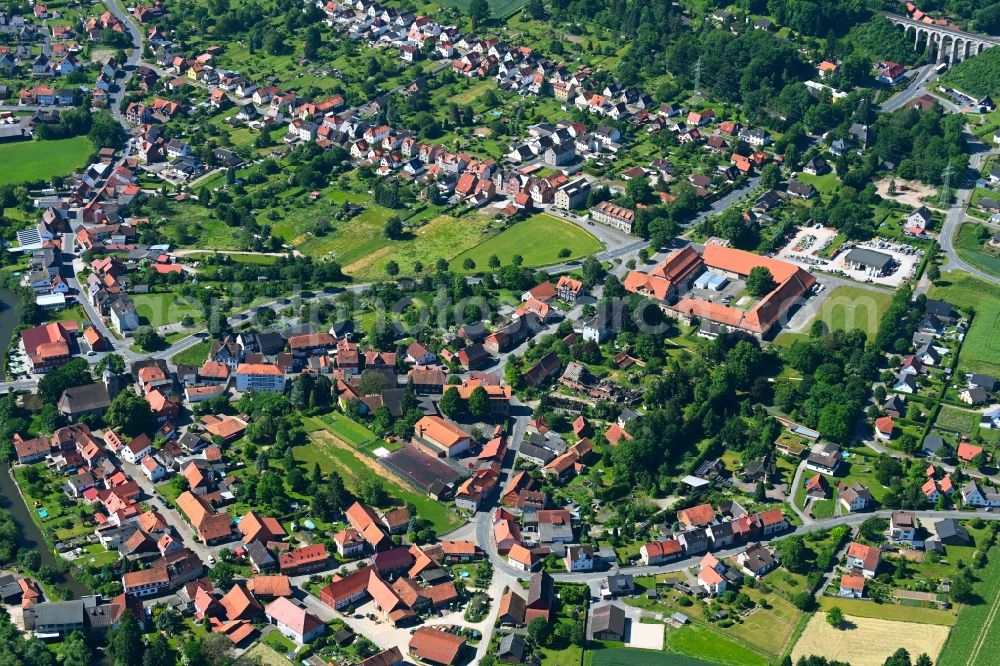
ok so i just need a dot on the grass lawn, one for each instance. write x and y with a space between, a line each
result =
971 250
259 259
469 96
333 453
195 355
981 349
26 161
631 656
74 313
854 307
347 429
498 8
957 420
538 240
278 642
162 308
698 641
862 608
825 184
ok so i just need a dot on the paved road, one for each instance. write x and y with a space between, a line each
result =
916 87
797 488
134 56
852 519
173 518
956 214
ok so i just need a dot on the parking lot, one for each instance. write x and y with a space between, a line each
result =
805 246
906 257
808 242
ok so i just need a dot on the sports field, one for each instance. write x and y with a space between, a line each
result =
853 307
868 641
981 349
537 239
28 161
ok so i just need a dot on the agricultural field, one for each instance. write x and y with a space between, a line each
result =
28 161
868 641
538 240
854 307
981 349
975 640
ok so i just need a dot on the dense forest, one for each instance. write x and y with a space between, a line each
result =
977 76
921 143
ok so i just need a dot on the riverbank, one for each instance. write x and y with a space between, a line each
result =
32 537
8 323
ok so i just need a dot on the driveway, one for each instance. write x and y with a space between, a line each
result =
173 518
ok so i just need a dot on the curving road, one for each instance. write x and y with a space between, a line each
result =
956 214
916 87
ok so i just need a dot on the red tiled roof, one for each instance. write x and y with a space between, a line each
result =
697 515
439 647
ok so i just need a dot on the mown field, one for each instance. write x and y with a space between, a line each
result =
27 161
538 240
195 355
862 608
981 349
868 641
698 641
854 307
